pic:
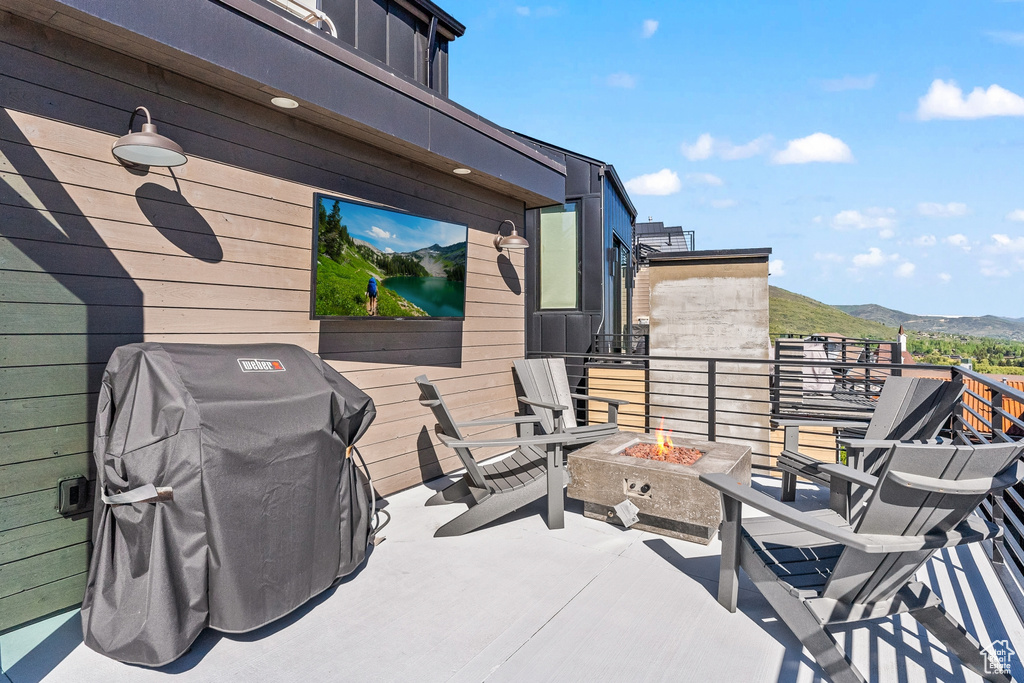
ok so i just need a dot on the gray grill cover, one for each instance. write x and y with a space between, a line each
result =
266 513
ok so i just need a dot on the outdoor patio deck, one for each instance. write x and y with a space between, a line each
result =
517 602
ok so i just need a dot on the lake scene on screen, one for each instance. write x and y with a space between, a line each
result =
417 265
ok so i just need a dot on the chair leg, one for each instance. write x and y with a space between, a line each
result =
451 494
729 570
788 487
555 484
804 625
961 643
493 507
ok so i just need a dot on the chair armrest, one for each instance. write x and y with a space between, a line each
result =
613 401
850 474
871 444
809 422
560 438
1004 480
542 404
512 420
971 530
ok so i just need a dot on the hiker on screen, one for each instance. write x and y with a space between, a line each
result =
371 296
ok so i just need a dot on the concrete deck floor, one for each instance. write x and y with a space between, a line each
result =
518 602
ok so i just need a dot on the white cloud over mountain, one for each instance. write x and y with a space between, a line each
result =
945 100
1017 216
874 258
777 267
819 147
650 27
708 179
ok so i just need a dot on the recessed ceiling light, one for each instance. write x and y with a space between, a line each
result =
462 171
284 103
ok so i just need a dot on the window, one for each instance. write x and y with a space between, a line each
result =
559 257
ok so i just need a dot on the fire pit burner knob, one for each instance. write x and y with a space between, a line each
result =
645 488
632 485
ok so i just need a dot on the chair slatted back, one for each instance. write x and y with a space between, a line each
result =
898 510
431 397
909 409
545 379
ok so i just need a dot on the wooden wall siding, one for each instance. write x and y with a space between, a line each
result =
92 257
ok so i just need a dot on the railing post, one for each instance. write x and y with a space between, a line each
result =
998 544
998 433
712 399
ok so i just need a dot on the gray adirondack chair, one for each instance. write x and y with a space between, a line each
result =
533 470
546 384
909 408
815 569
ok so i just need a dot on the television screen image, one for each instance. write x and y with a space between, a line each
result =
374 262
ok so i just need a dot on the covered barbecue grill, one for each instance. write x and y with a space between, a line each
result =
225 497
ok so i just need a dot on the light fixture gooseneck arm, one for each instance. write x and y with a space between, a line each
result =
131 121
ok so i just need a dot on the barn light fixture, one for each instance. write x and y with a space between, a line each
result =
147 147
512 241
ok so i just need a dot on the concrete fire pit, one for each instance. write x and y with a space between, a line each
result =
671 498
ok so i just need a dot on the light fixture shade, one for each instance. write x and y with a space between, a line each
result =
147 147
513 242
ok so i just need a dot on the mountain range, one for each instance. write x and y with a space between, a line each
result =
974 326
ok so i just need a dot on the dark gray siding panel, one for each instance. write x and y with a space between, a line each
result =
552 333
402 54
441 68
594 256
577 177
372 28
343 14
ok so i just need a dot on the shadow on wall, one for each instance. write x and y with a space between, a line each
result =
178 221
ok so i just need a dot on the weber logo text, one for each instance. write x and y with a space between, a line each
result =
260 365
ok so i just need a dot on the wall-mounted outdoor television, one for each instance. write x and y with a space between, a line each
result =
374 262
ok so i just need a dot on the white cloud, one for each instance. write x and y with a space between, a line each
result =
936 210
849 83
540 12
723 203
875 218
829 257
1017 216
945 277
925 241
706 146
905 269
389 250
992 269
664 182
758 145
886 234
1007 37
380 234
1005 243
650 26
958 240
817 147
621 80
700 150
777 267
946 101
873 259
708 179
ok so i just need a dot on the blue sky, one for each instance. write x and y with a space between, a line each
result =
847 136
391 231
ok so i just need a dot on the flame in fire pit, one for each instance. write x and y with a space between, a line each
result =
664 439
